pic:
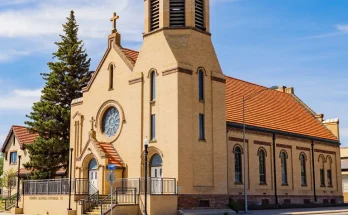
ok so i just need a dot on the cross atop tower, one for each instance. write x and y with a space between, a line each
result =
113 20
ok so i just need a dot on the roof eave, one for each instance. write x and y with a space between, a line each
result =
268 130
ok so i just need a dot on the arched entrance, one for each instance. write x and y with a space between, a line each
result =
93 176
156 174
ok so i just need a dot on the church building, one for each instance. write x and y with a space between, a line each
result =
174 96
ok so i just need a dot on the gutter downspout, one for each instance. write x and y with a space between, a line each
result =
313 172
275 171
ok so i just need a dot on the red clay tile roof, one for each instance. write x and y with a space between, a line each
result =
22 134
130 54
113 156
271 109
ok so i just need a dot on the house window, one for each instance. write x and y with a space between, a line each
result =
201 85
153 85
154 14
153 127
201 126
199 14
283 160
322 178
329 178
303 170
111 77
177 13
13 157
262 167
237 165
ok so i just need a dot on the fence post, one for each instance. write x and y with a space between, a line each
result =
162 185
135 195
175 188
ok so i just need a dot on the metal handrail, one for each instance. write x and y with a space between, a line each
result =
119 196
10 202
90 201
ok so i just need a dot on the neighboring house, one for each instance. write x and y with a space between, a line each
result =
344 168
14 145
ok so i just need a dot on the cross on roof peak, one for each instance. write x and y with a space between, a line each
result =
113 20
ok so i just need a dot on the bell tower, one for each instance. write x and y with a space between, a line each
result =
188 113
164 14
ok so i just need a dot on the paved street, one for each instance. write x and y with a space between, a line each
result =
303 211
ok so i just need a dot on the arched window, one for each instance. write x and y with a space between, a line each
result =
283 160
177 13
303 170
156 161
111 77
322 173
199 14
262 166
237 164
93 164
329 172
153 85
201 85
154 14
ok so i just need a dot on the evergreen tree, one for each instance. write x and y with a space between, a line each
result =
50 117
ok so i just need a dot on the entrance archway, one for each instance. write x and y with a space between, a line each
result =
93 176
156 174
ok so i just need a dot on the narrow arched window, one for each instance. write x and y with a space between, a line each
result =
201 85
262 167
111 77
154 14
177 13
237 165
322 173
153 85
303 170
283 160
199 14
329 172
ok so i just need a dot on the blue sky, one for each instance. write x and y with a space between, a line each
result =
296 43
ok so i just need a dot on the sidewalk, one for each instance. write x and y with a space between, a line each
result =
301 211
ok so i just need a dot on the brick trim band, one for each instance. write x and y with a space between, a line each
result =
175 70
237 139
284 146
221 80
303 148
324 151
134 81
262 143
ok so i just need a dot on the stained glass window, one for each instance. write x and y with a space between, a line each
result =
111 122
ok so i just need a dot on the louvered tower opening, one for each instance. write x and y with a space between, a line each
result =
154 15
199 14
177 13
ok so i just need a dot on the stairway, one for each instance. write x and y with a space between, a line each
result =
96 210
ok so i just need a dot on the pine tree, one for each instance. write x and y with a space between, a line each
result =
50 117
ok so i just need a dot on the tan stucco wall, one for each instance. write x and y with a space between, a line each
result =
46 204
160 205
293 165
13 146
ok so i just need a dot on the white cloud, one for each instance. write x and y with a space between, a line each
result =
19 99
342 28
35 27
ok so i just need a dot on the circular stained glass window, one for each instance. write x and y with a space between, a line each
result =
111 122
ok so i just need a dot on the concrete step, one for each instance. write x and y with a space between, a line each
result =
207 212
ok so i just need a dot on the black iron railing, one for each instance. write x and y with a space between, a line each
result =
119 196
81 186
91 201
10 202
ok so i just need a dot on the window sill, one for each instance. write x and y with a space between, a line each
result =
111 89
153 102
202 140
153 141
330 186
201 101
13 164
238 183
304 185
285 185
263 184
322 185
